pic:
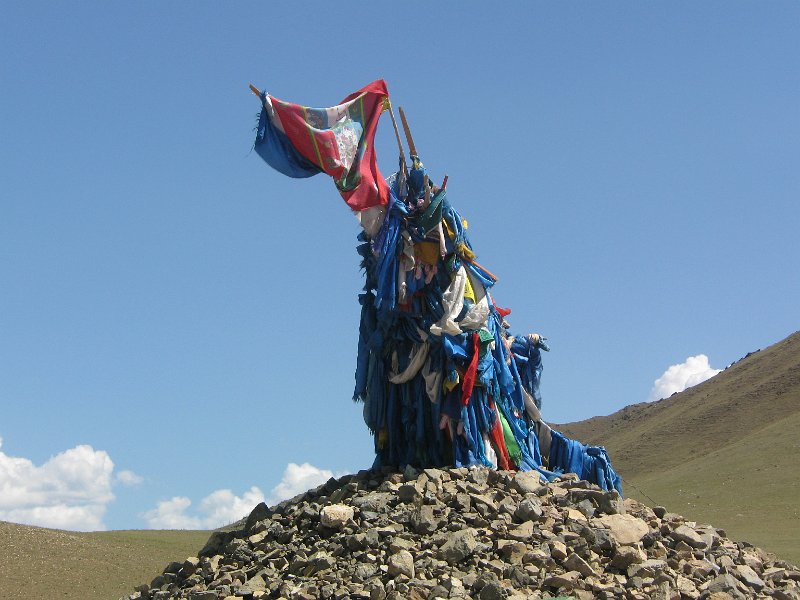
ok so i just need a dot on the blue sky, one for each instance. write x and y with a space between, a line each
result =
178 322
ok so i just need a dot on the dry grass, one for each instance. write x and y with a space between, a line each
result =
46 563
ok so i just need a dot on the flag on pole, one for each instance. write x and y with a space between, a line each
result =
300 141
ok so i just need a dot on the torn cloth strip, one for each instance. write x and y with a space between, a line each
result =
300 141
529 357
469 375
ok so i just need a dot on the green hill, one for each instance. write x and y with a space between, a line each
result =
723 452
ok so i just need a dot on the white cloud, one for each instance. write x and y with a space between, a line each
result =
129 478
69 491
677 378
298 479
169 514
222 507
88 517
219 508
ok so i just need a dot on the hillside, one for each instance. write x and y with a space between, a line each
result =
47 563
724 451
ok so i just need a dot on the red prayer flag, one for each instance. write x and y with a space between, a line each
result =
339 140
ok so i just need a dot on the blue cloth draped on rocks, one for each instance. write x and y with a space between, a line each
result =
428 400
588 462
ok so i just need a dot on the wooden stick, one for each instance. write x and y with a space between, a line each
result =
397 134
255 90
485 270
411 147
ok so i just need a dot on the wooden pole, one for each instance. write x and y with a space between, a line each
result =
255 90
397 135
484 269
411 147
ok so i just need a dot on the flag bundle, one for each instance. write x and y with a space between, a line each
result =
443 380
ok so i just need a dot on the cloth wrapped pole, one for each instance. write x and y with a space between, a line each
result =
442 378
457 388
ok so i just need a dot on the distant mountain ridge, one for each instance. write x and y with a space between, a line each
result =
723 451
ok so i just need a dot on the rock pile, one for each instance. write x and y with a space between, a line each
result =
470 533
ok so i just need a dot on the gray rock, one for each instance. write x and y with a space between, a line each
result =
564 580
709 535
528 510
435 475
410 473
401 563
374 502
492 590
609 502
513 552
364 571
558 550
575 563
478 476
462 503
647 568
522 532
603 542
627 529
423 520
336 516
527 482
586 508
459 545
725 583
259 513
625 556
400 543
684 533
700 569
786 594
408 492
749 576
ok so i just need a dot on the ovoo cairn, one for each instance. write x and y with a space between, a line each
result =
443 380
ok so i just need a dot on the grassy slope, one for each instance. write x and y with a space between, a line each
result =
724 452
46 563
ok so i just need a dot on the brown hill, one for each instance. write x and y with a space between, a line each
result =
724 451
49 563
